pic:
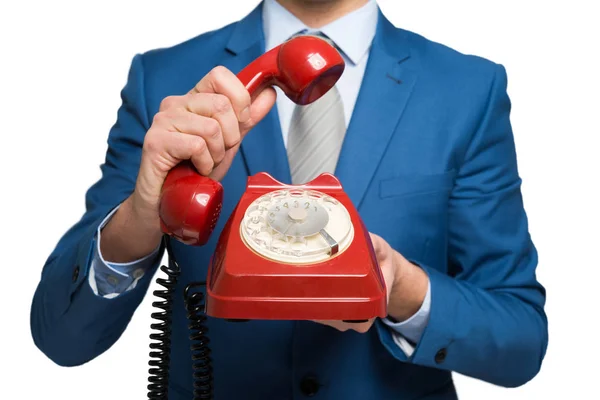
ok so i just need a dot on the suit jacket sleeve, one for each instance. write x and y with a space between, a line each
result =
487 318
69 323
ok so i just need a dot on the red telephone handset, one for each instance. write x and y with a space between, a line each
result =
305 68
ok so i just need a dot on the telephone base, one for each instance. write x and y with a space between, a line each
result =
243 283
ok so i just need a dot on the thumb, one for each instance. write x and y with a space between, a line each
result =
259 108
380 246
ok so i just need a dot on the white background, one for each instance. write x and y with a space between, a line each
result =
63 64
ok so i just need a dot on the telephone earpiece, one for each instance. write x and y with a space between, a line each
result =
305 68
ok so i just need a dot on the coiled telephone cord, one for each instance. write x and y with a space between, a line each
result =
203 378
160 356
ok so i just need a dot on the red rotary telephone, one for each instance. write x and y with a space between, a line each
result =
287 252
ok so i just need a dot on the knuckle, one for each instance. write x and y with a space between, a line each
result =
160 118
197 88
232 140
152 143
213 129
205 165
210 163
168 102
220 157
194 99
199 146
218 72
221 104
245 98
171 114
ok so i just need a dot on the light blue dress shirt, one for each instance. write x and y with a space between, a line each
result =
352 34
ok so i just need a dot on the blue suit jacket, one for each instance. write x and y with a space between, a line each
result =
429 161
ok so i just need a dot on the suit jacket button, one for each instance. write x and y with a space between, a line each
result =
309 386
440 356
76 273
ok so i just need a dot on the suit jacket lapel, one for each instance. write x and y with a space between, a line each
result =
387 85
262 149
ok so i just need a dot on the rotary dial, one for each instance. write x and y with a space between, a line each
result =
297 226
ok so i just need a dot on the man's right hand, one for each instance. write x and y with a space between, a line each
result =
205 126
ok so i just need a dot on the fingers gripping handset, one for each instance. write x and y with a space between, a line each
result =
305 68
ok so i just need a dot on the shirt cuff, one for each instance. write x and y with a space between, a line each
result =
409 332
108 279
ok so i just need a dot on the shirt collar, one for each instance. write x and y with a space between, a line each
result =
352 33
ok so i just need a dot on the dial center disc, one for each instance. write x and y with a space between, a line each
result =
297 214
297 217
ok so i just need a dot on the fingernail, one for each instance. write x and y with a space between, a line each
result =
245 114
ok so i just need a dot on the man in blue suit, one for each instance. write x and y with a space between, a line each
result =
428 159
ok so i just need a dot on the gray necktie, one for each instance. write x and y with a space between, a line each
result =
315 137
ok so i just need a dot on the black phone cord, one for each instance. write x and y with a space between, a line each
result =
160 354
203 377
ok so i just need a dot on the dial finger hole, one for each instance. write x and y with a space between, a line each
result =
278 245
255 215
329 199
313 195
263 238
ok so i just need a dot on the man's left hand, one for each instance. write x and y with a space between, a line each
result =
406 286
